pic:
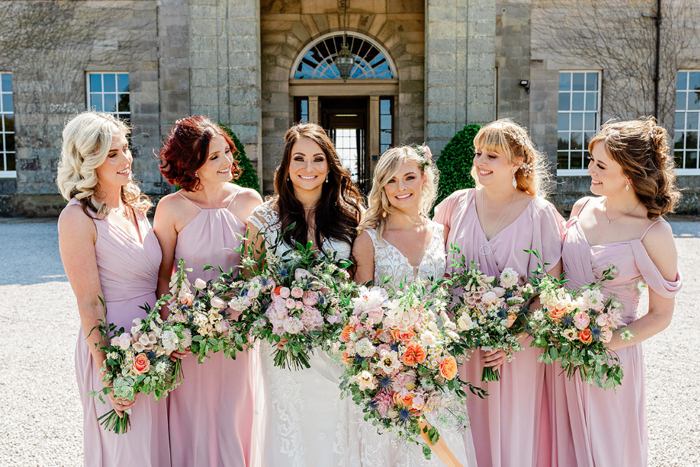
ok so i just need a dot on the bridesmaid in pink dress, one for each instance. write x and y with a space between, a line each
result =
493 225
108 249
632 174
211 412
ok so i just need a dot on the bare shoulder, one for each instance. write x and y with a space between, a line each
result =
170 204
246 201
578 205
75 223
661 248
363 245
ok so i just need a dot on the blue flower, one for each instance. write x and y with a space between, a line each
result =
358 359
395 347
503 314
283 272
508 295
404 415
263 281
596 333
384 382
373 404
244 293
151 355
321 300
567 320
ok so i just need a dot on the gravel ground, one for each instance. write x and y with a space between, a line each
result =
41 421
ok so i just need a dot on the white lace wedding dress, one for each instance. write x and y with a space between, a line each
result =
387 450
301 419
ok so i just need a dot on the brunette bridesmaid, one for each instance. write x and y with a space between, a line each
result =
108 250
632 175
211 412
493 225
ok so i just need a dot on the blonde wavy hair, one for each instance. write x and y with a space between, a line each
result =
387 167
506 137
87 138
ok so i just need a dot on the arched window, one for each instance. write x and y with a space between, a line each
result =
317 59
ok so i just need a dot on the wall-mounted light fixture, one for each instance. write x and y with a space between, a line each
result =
525 84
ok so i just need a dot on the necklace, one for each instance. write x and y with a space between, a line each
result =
485 249
309 208
605 211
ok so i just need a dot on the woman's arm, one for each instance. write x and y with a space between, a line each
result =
363 252
165 229
76 242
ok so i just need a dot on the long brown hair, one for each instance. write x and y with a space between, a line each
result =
339 210
641 148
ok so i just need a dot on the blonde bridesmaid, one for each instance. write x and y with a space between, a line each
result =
211 413
632 177
108 250
493 225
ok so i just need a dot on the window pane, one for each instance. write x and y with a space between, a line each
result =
694 80
691 121
110 83
591 101
562 160
123 103
110 102
2 144
385 138
95 82
576 121
691 160
682 80
563 122
96 102
576 101
680 100
576 141
8 123
123 83
563 101
694 100
563 140
7 103
589 122
578 81
6 83
385 106
691 140
678 139
588 136
680 120
576 160
564 81
385 122
9 142
678 159
591 81
11 159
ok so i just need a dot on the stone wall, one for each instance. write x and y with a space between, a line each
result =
512 51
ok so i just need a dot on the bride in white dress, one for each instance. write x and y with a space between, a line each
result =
399 242
301 419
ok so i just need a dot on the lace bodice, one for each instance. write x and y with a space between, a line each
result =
389 261
266 219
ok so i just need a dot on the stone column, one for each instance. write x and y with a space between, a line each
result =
313 109
225 68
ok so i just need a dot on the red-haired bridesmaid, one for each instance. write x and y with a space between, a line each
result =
211 413
632 175
493 225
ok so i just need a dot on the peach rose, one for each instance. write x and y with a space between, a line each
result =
558 312
141 364
403 336
511 319
403 398
414 354
448 367
585 336
345 334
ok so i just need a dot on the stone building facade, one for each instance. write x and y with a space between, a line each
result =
425 69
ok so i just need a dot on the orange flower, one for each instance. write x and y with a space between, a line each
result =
414 354
448 367
346 358
557 313
277 290
345 335
141 364
585 336
403 398
511 319
403 336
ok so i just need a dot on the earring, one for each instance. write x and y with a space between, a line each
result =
627 186
288 179
515 183
196 174
327 176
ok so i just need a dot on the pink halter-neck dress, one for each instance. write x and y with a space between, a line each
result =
507 425
128 273
211 412
591 426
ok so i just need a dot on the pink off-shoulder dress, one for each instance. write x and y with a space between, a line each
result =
507 426
211 412
591 426
128 271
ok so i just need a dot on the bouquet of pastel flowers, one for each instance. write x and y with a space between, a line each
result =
490 311
574 326
399 367
295 301
139 361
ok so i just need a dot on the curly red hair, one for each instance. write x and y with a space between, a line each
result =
186 151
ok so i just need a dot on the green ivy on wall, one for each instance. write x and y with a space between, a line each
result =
455 162
248 178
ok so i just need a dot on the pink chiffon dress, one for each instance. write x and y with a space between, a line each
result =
211 412
591 426
507 425
128 271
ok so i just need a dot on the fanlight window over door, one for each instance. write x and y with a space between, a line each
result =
318 60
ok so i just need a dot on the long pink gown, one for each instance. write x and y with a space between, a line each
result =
591 426
507 425
128 273
211 412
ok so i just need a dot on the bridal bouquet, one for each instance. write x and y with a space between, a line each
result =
203 313
294 301
139 361
490 312
574 326
398 365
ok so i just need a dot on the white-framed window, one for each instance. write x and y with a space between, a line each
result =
579 119
109 92
687 127
8 158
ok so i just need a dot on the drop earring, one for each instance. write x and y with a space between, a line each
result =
288 179
627 186
196 174
327 176
515 183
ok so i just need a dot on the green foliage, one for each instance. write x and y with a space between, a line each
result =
248 178
455 162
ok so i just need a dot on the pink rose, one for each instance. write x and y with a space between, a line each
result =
581 320
376 315
298 305
297 292
310 298
141 364
199 283
606 335
290 303
602 320
217 303
334 318
311 318
284 292
301 273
